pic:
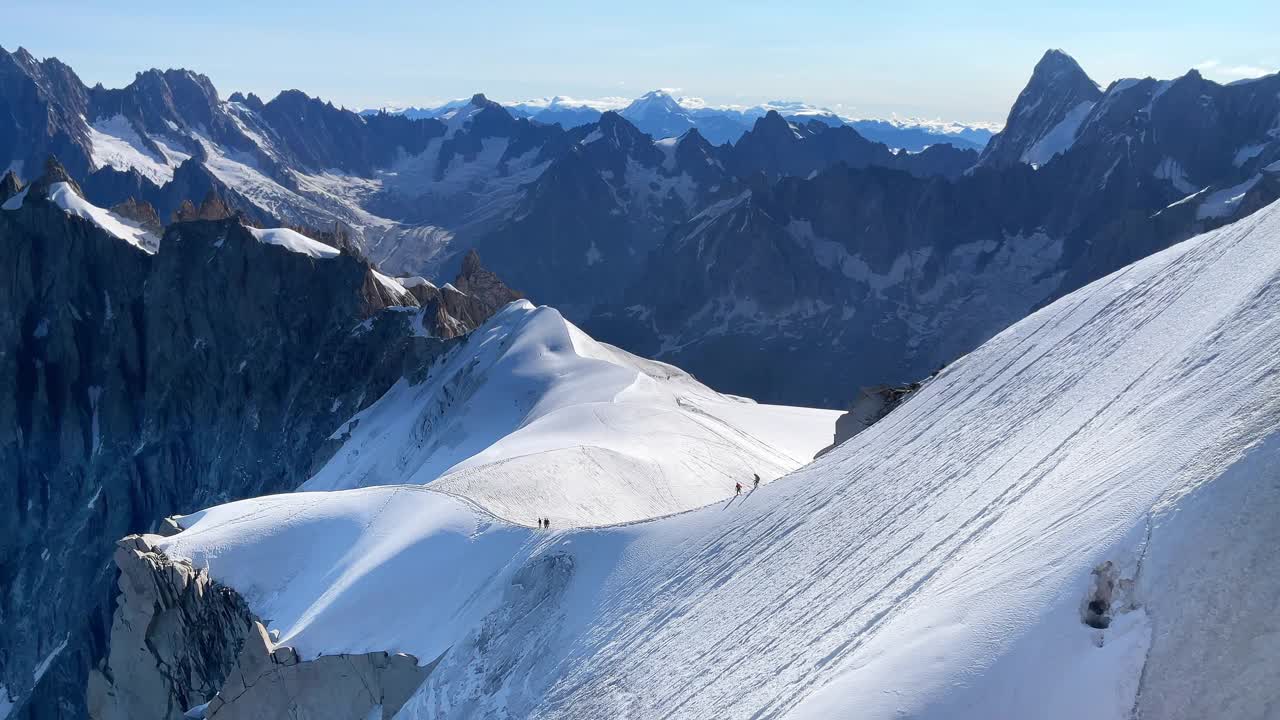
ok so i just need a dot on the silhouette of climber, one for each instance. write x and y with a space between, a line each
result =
757 483
737 488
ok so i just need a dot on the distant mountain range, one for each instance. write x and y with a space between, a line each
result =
662 115
682 249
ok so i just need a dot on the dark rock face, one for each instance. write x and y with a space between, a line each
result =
319 136
890 275
604 204
40 106
776 148
141 213
10 185
213 207
147 385
1058 87
473 297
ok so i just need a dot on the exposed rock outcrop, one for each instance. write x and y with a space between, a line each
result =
10 185
473 297
872 405
175 637
213 207
270 681
142 213
182 641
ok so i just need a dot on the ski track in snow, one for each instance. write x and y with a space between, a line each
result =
935 566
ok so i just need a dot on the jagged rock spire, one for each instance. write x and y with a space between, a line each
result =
213 207
10 185
54 173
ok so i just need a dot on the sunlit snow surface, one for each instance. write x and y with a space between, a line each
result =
532 418
65 197
294 241
935 566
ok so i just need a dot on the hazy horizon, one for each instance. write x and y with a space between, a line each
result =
938 63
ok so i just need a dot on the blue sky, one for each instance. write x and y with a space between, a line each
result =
929 59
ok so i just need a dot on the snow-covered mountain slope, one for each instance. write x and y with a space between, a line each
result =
1076 520
532 418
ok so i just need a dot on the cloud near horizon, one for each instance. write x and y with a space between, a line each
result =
1233 72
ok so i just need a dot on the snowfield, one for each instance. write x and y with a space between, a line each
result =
1114 456
294 241
532 418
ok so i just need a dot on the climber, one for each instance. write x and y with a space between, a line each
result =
756 486
737 488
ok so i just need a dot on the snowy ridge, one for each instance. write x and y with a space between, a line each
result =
938 565
532 418
294 241
65 197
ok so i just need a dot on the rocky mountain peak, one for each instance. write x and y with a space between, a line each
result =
10 185
693 138
140 212
20 57
251 101
471 263
772 124
1056 63
54 173
483 285
213 207
1044 118
622 133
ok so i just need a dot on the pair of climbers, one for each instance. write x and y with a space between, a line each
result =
544 523
737 487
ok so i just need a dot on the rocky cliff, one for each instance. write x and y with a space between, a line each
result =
183 645
144 385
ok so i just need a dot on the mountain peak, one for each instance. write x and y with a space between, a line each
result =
693 135
1056 66
772 122
10 185
653 102
1043 120
54 173
622 132
471 262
